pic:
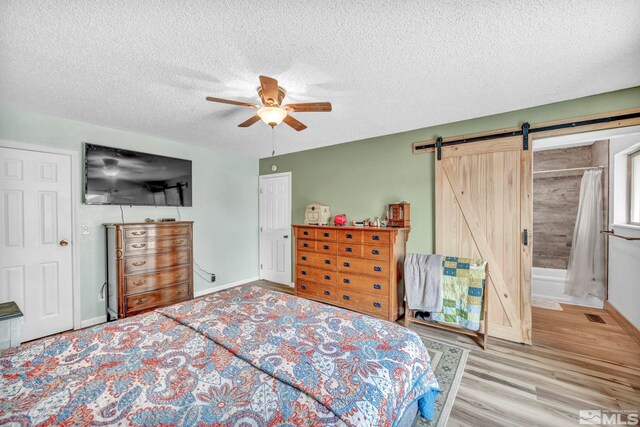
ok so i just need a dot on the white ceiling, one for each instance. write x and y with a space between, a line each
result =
387 66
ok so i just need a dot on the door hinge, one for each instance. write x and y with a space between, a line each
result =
525 237
260 266
261 191
261 229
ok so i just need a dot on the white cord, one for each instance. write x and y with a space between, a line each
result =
208 279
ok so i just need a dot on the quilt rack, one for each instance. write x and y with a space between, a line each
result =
482 337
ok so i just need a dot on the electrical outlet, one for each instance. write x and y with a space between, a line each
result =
213 278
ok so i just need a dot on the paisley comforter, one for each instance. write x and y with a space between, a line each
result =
246 356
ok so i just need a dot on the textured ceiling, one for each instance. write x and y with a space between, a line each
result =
387 66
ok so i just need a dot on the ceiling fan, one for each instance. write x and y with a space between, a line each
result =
271 112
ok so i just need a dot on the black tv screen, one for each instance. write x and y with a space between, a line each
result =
114 176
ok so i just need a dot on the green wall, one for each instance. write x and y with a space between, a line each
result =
360 178
225 200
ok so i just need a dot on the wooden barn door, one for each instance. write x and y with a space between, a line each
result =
483 206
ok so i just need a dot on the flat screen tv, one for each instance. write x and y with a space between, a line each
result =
114 176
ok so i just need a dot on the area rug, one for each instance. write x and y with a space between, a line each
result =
546 304
448 362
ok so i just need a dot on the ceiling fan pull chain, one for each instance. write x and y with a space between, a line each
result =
273 142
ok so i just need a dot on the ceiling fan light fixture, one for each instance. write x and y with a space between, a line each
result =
110 170
272 116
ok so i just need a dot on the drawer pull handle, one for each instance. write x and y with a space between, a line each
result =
304 273
375 237
349 236
375 252
179 275
306 233
347 264
376 304
377 286
327 277
327 261
348 249
327 292
325 247
325 234
303 286
139 263
139 233
347 281
179 242
305 245
140 283
376 268
346 297
140 301
304 258
139 245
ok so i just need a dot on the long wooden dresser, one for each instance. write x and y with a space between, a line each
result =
352 267
149 265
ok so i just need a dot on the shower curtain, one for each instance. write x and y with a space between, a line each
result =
585 272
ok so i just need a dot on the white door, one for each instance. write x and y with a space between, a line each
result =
275 228
35 240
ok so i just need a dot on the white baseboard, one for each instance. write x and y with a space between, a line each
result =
94 321
225 286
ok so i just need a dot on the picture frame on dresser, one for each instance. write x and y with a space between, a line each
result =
357 268
149 265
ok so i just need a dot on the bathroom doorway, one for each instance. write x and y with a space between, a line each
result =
572 204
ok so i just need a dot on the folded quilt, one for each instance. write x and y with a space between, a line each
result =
463 282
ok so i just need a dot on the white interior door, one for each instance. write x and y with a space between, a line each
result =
36 260
275 228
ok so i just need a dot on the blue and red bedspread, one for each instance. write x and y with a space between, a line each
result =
246 356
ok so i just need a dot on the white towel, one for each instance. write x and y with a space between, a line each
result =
423 282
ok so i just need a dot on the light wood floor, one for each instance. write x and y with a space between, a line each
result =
572 365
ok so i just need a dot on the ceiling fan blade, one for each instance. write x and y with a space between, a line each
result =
269 90
229 101
294 123
309 107
249 122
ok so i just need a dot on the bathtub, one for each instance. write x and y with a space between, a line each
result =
548 283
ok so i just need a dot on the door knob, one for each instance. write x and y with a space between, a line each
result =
286 236
63 242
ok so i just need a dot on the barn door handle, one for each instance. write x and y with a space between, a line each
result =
525 237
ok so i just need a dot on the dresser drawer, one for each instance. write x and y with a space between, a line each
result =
363 266
324 292
133 246
360 283
354 236
306 245
151 281
306 233
372 236
316 260
350 249
316 275
326 234
327 247
159 298
376 252
137 232
138 264
371 304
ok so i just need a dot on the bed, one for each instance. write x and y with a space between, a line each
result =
245 356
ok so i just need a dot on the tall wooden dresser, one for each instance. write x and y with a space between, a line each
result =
352 267
149 265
